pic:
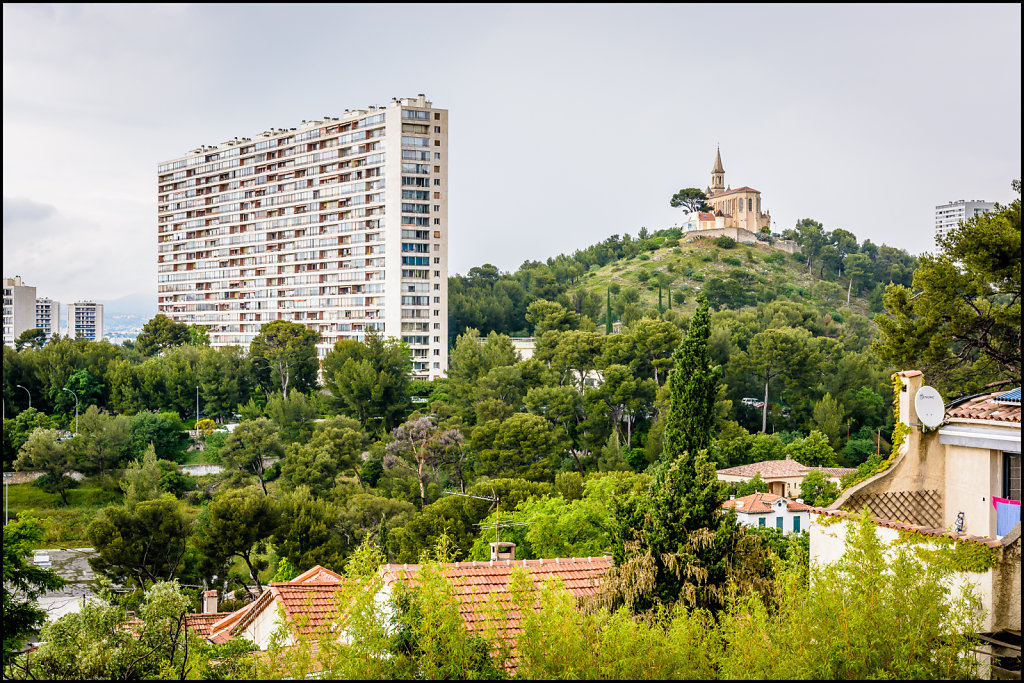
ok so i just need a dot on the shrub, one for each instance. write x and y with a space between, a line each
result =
732 261
725 242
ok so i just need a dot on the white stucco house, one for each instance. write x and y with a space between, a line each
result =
770 511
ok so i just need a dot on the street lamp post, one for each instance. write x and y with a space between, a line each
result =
29 395
76 408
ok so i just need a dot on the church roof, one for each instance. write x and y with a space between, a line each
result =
718 162
738 189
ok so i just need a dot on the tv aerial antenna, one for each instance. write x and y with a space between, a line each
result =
498 525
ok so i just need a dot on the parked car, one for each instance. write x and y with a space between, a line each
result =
41 559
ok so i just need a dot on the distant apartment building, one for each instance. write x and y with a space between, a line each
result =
340 224
48 316
85 320
948 216
19 308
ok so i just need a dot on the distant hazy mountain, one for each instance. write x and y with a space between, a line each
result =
127 313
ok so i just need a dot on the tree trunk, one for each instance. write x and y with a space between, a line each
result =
764 409
253 574
629 432
849 290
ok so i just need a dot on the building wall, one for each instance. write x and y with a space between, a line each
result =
771 519
19 309
85 319
320 241
741 235
948 216
828 544
788 487
973 476
48 316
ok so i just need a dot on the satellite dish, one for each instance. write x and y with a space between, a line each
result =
929 406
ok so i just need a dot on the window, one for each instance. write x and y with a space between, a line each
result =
437 352
437 181
778 522
437 221
437 233
437 273
437 299
437 207
437 155
760 522
437 129
437 260
796 524
1011 476
437 365
437 117
437 339
437 143
437 326
437 312
437 169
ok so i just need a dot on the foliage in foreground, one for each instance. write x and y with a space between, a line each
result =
847 620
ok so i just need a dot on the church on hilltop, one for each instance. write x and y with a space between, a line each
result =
739 208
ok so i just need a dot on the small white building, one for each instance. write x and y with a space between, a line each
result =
769 510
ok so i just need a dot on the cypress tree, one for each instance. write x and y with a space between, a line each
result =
693 385
670 298
660 308
608 316
672 542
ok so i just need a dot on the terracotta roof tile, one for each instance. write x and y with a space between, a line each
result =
775 469
202 623
317 574
902 526
986 408
475 582
758 503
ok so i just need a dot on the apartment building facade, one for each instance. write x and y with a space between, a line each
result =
339 224
85 320
948 216
48 316
19 308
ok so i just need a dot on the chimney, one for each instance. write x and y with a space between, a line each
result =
209 601
503 551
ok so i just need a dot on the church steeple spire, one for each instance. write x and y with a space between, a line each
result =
717 174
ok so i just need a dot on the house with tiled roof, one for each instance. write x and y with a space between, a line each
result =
768 510
958 478
476 582
782 476
309 603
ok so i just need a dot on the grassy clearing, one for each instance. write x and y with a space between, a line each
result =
63 525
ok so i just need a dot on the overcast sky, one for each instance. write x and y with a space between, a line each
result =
567 123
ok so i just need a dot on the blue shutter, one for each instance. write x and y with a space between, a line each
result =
796 524
778 522
760 521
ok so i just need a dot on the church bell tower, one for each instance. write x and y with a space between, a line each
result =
717 176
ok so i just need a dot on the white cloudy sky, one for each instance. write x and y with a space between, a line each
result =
568 123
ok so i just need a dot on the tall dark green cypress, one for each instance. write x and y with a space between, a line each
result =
670 298
660 308
693 385
677 526
608 316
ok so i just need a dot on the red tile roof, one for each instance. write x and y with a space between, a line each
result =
202 623
760 503
914 528
706 216
476 581
776 469
317 574
986 408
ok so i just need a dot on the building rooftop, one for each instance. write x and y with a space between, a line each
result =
476 581
763 503
774 469
738 189
1000 406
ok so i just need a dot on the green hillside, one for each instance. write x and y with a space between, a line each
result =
732 277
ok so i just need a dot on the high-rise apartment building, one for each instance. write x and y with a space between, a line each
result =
48 316
948 216
19 308
85 320
339 224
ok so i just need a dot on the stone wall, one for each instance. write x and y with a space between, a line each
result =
741 235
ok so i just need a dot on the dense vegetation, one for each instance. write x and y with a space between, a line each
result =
613 434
